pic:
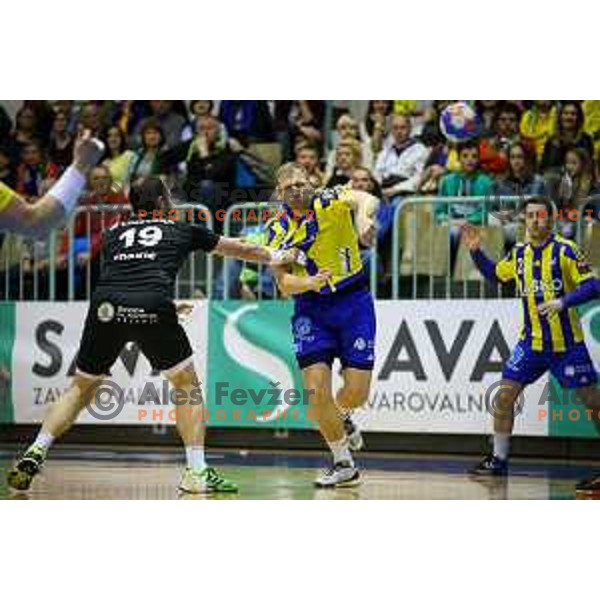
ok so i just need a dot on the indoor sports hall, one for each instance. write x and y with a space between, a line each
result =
446 328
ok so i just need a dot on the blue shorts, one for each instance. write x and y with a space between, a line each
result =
573 368
340 325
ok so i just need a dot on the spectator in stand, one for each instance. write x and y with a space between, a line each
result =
347 130
60 148
487 111
67 107
170 121
210 166
494 149
5 126
247 120
199 109
521 178
575 187
35 175
591 111
25 131
147 160
307 156
347 158
8 174
570 132
119 159
470 181
299 120
520 181
415 110
400 164
90 118
538 125
377 123
44 116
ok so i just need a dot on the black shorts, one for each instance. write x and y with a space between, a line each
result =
116 319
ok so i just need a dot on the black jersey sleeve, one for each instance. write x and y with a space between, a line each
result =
203 238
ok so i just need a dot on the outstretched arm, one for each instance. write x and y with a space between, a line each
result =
242 250
472 239
38 219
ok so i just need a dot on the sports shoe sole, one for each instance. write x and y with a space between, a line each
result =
352 482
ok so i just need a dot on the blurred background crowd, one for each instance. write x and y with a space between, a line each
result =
217 153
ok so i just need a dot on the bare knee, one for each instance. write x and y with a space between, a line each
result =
319 397
83 386
184 378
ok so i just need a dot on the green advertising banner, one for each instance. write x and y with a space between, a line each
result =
252 377
567 415
7 338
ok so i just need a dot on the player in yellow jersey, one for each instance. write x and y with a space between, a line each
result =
38 219
553 277
334 313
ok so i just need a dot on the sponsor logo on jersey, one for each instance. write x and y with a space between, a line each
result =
106 312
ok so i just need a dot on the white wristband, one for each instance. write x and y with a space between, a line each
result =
68 188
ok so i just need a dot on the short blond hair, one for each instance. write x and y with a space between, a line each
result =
286 171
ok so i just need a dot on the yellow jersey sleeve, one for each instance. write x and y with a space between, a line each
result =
576 264
506 268
6 196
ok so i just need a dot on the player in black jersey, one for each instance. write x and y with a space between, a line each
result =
133 301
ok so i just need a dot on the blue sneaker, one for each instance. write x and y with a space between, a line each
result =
491 465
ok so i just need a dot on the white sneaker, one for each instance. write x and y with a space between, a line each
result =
355 439
207 480
342 474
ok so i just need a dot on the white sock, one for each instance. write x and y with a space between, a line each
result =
341 451
501 445
44 440
195 457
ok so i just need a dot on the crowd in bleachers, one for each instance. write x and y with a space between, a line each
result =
216 153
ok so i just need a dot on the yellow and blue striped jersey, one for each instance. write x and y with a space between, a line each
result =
325 234
545 273
6 196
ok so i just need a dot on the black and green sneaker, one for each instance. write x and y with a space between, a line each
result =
26 468
205 481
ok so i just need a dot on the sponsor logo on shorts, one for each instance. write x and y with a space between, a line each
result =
360 344
106 312
303 328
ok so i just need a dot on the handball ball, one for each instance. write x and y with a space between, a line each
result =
459 122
